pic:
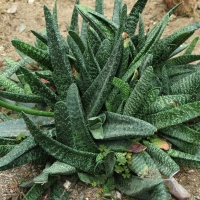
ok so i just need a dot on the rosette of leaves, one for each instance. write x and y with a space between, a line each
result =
123 106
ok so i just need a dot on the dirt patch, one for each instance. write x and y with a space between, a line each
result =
30 17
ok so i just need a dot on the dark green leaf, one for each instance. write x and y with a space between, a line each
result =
135 186
185 159
116 11
36 54
62 152
78 40
62 72
192 45
137 96
37 189
81 136
18 150
96 95
34 156
118 126
59 192
164 163
92 179
103 26
60 168
109 163
138 165
99 6
182 145
103 53
160 192
40 88
174 116
133 17
183 133
21 97
74 19
10 85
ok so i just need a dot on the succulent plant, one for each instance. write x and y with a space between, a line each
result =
114 104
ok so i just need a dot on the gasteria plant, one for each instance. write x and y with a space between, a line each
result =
123 105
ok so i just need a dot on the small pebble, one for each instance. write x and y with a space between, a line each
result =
118 195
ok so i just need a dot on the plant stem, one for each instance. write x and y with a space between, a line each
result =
26 110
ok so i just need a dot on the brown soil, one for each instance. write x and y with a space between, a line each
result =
31 17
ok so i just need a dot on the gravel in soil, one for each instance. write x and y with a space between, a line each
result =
30 17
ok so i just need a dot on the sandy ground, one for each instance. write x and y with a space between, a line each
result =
30 17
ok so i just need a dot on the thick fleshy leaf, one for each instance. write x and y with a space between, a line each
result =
160 193
63 124
191 47
81 136
9 85
135 186
40 36
141 33
166 102
36 54
177 70
36 191
109 163
11 67
118 126
185 159
125 57
99 6
188 85
173 44
34 156
182 145
103 53
104 27
62 72
13 128
74 19
80 63
25 146
62 152
181 60
183 133
137 96
59 192
152 38
96 95
108 186
116 11
174 116
133 16
42 177
21 97
153 169
5 149
60 168
164 163
92 64
139 166
92 179
123 87
78 40
40 88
